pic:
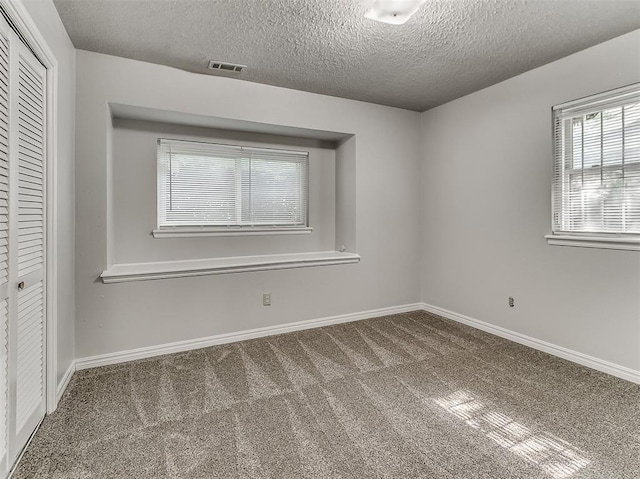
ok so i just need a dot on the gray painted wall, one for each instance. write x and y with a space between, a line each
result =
486 189
485 163
124 316
46 19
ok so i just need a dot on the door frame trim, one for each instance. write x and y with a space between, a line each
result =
21 19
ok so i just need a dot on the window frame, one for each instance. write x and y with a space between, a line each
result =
188 231
601 239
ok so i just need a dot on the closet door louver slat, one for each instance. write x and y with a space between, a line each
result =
4 259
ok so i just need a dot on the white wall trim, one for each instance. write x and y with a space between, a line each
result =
564 353
62 385
194 232
197 343
119 273
23 21
603 242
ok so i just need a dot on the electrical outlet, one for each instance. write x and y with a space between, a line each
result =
511 302
266 299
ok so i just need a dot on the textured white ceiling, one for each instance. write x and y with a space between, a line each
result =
448 49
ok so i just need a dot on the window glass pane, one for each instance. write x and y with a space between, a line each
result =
632 133
201 184
577 143
202 190
592 140
597 166
612 136
269 202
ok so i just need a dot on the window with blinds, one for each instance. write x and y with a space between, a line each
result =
596 187
215 185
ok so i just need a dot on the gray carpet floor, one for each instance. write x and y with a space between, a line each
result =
404 396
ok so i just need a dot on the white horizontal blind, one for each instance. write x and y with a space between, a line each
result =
597 165
207 184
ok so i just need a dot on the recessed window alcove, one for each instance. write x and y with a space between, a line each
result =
137 254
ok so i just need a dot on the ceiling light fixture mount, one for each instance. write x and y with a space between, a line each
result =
394 12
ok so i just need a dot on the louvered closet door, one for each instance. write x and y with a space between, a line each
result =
28 104
4 244
22 245
27 242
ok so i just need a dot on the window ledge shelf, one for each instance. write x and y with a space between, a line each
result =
603 242
181 232
120 273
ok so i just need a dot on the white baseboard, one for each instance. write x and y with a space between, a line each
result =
62 386
564 353
190 344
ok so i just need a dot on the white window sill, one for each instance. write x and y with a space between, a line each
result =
194 232
119 273
603 242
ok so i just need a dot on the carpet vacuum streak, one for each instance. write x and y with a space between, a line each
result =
404 396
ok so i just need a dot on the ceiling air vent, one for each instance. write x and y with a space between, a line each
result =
226 67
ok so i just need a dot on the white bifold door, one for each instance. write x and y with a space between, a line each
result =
22 245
